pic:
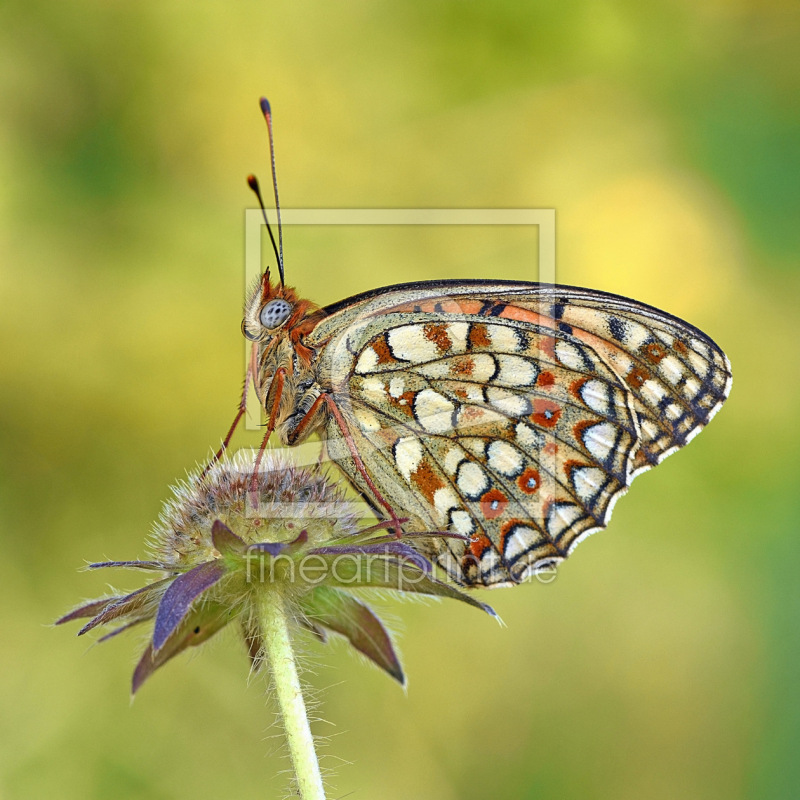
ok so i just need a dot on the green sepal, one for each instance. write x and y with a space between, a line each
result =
196 627
341 613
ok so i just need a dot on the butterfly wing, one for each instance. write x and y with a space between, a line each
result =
514 413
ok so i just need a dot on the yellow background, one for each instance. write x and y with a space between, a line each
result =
662 662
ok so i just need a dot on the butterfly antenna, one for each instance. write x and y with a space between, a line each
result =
252 182
267 112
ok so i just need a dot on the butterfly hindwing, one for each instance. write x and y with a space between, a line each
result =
512 413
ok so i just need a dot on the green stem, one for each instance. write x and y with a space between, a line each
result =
280 656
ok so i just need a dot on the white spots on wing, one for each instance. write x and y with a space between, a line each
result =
461 522
637 335
650 429
444 499
471 480
458 331
691 388
409 343
484 367
699 364
516 371
652 391
367 361
474 394
504 458
436 369
504 339
671 369
587 481
453 457
569 355
374 386
560 517
396 387
599 440
529 438
507 402
366 420
433 411
595 394
519 540
408 454
478 367
701 347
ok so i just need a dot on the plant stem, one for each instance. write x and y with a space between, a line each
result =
280 656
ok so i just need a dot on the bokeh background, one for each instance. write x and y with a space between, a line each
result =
663 661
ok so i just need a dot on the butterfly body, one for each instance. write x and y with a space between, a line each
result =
511 413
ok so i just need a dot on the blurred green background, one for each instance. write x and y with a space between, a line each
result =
663 661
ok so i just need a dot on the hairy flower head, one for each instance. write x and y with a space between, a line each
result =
213 553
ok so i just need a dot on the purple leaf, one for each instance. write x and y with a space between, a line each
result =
195 628
178 599
125 605
343 614
154 565
272 548
88 609
144 669
225 540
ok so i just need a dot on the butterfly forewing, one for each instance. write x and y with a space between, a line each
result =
512 413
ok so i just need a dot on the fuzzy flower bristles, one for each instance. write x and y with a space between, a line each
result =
215 555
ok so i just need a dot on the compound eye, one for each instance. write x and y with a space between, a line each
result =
275 313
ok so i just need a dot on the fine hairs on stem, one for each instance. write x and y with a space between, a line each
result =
280 659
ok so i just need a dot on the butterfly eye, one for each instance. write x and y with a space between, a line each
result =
275 313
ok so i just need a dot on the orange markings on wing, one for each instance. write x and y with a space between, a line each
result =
381 348
525 315
479 335
438 306
579 427
426 480
405 402
636 377
547 345
437 333
545 380
575 388
493 504
463 366
545 413
550 449
654 352
509 526
479 544
570 464
530 481
680 347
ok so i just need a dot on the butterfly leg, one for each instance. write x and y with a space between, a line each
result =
276 391
340 421
250 373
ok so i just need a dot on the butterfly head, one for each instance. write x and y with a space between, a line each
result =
268 309
274 313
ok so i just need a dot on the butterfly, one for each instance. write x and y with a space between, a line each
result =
511 414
